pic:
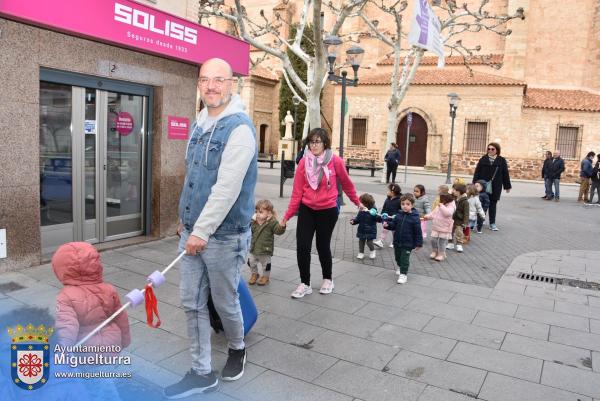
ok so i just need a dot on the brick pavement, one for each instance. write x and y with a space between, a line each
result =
527 224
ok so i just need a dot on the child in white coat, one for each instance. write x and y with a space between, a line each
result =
475 208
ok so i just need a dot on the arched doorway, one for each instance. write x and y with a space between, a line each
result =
263 138
417 144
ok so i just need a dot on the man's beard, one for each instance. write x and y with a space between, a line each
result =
221 102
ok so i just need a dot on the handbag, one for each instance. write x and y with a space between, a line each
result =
488 185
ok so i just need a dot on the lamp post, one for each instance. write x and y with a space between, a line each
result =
354 57
453 100
296 101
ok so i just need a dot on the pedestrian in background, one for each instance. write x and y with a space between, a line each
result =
595 180
585 175
392 159
557 167
546 176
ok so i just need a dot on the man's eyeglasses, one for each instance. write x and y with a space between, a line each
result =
217 81
315 143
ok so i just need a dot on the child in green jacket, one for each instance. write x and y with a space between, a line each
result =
264 228
460 216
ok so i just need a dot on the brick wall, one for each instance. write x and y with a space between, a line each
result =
525 169
360 152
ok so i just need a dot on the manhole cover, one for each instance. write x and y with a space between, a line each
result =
10 287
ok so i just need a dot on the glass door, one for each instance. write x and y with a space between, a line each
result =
92 158
125 128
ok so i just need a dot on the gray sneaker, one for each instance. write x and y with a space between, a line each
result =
192 383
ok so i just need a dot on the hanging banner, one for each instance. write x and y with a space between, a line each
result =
425 30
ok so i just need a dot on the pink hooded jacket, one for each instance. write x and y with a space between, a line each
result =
442 217
85 300
324 197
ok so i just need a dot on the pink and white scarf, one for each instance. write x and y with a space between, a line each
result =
316 166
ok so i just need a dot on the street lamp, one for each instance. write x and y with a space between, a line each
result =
453 100
354 56
296 101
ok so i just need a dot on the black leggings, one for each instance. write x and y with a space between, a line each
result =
321 222
492 211
391 170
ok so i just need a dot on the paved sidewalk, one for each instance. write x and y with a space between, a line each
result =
374 340
527 224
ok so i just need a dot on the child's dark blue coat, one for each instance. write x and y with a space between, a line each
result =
367 225
407 229
391 206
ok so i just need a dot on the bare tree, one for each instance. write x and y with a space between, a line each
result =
266 35
460 20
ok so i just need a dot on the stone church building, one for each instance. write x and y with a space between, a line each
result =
545 96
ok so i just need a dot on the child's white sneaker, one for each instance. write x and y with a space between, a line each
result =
397 272
360 256
373 254
459 248
378 243
402 279
450 246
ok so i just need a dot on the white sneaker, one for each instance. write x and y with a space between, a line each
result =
301 291
326 287
392 245
450 246
378 243
360 256
397 272
459 248
373 254
402 279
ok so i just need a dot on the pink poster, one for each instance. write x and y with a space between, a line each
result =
124 123
178 127
133 25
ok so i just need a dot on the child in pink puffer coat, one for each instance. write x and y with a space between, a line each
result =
441 228
86 300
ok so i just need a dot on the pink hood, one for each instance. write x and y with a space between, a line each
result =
85 300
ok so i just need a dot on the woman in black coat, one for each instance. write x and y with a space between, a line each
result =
493 167
392 159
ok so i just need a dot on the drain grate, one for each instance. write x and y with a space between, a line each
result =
588 285
537 277
10 287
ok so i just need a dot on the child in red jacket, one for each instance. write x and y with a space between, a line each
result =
86 300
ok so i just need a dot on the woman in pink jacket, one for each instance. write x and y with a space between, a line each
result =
86 300
314 198
441 228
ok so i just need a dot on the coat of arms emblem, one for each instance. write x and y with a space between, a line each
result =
30 355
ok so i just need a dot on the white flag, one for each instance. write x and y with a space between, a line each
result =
425 30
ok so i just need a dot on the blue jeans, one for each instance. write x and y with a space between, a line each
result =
216 270
556 183
548 185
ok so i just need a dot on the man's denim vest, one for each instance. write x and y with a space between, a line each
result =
202 172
